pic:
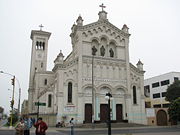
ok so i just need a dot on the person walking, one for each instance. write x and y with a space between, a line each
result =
41 127
71 122
27 124
19 127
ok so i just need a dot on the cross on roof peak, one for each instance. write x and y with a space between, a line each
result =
102 6
41 26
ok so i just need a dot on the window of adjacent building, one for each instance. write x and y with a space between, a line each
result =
157 95
45 82
165 82
155 85
165 105
147 90
134 95
49 100
69 92
176 78
163 94
157 106
147 104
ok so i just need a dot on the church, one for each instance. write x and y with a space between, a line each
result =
77 85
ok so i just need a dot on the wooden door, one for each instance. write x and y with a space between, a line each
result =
103 112
161 118
88 113
119 114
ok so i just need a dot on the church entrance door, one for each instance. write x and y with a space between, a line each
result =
103 112
119 113
88 113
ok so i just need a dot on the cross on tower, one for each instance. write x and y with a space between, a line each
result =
41 26
102 6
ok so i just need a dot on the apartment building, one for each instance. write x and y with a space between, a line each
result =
155 92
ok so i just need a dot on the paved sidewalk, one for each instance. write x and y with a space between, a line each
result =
54 129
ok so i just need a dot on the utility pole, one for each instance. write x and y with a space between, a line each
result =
109 96
38 109
94 50
12 101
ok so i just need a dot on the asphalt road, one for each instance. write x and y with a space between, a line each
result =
144 131
139 131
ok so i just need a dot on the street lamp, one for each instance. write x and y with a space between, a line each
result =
94 50
108 97
12 101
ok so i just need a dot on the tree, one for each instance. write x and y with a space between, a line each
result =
173 91
174 110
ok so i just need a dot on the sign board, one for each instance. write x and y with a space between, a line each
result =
150 112
40 104
69 108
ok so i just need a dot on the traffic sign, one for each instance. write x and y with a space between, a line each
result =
40 104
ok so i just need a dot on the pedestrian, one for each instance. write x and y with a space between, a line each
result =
20 127
27 124
71 122
41 127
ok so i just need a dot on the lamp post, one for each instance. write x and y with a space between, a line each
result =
108 96
94 50
12 101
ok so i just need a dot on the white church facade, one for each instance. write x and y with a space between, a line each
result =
98 62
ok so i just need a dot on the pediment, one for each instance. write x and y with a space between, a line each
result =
103 26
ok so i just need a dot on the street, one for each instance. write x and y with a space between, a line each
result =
119 131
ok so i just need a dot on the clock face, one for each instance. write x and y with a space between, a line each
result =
39 55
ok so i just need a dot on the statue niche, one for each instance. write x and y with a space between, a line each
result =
111 52
102 49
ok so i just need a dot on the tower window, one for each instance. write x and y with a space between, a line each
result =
43 45
134 95
40 45
49 100
41 65
45 82
69 92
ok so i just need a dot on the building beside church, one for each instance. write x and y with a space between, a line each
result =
155 89
67 89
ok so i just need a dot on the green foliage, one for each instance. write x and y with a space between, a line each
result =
173 91
14 119
174 110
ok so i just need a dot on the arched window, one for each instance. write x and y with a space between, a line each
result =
69 92
37 43
45 82
134 95
49 100
43 44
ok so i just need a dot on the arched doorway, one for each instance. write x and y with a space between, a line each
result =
161 117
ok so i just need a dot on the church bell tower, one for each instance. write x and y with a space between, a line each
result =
38 57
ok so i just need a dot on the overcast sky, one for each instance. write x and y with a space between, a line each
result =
154 26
